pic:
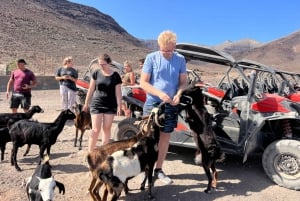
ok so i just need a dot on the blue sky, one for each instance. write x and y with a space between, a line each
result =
209 22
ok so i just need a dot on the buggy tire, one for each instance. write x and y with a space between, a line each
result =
281 163
125 129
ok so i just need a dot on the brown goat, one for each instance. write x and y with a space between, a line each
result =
99 154
82 122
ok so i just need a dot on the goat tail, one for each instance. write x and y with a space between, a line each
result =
93 160
90 161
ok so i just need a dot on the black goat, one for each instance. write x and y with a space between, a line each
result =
4 138
7 119
32 132
199 121
82 122
40 186
13 117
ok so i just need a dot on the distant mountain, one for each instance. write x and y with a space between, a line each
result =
151 44
45 31
283 53
239 46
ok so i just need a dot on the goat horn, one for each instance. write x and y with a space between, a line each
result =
156 116
189 101
144 127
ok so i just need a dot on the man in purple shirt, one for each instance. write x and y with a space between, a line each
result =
21 81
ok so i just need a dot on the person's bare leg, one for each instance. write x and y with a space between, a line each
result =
107 123
96 128
14 110
163 147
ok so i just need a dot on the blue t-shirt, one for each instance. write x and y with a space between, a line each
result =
164 73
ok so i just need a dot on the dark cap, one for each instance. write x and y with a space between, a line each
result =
21 61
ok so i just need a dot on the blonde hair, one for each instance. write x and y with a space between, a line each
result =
166 37
127 63
67 60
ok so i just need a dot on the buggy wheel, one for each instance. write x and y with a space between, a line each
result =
281 162
125 129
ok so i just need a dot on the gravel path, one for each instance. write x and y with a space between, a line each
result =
236 181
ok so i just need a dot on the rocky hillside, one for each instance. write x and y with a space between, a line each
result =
45 31
238 46
283 53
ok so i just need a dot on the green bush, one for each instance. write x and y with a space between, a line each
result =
11 66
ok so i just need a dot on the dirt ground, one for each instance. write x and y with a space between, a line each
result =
236 181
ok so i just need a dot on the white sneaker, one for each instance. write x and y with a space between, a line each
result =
162 177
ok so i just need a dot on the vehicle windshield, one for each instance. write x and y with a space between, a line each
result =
94 66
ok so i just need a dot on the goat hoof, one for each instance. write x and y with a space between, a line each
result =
207 191
18 169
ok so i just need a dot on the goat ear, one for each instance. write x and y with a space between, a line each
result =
39 178
110 159
103 177
129 153
61 187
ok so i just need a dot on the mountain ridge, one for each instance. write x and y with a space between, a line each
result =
45 31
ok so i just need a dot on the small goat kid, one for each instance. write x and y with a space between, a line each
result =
32 132
40 186
99 154
199 121
82 122
125 164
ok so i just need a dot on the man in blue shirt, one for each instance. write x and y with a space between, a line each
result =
163 77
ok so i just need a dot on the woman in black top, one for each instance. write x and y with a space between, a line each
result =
103 99
67 76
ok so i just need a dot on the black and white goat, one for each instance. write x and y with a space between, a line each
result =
7 119
13 117
199 121
99 154
125 164
32 132
40 186
82 122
